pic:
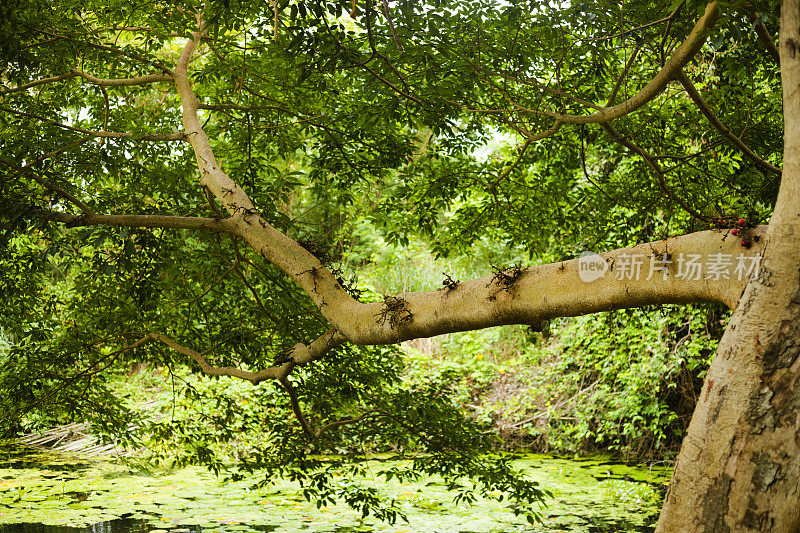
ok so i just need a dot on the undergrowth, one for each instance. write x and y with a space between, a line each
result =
625 382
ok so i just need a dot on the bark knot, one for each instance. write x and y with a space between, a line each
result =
395 311
506 277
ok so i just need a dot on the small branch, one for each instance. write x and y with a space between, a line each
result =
237 107
391 26
135 57
302 355
49 185
391 85
208 289
212 205
766 39
275 21
704 108
665 33
531 83
106 112
343 422
274 246
523 149
88 371
668 18
299 355
298 411
615 90
653 164
254 294
63 149
253 377
586 173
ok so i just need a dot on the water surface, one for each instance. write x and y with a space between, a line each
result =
46 494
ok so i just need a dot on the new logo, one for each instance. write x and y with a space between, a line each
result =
591 266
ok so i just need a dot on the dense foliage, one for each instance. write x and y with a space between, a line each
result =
352 133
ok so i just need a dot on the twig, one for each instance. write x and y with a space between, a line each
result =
653 164
343 422
624 75
539 136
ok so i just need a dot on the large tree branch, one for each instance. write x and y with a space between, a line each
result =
273 245
140 221
522 296
123 82
664 275
555 290
704 108
671 69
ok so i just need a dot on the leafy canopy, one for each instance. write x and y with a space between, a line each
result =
342 121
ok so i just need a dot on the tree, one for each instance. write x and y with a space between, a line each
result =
293 116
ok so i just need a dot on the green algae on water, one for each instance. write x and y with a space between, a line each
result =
589 495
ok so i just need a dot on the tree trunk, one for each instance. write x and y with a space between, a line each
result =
739 466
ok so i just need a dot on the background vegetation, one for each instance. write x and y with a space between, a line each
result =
398 153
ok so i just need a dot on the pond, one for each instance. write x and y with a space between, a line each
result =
47 494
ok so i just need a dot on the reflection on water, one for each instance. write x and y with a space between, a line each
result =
122 525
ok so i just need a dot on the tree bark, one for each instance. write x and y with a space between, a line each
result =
739 466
